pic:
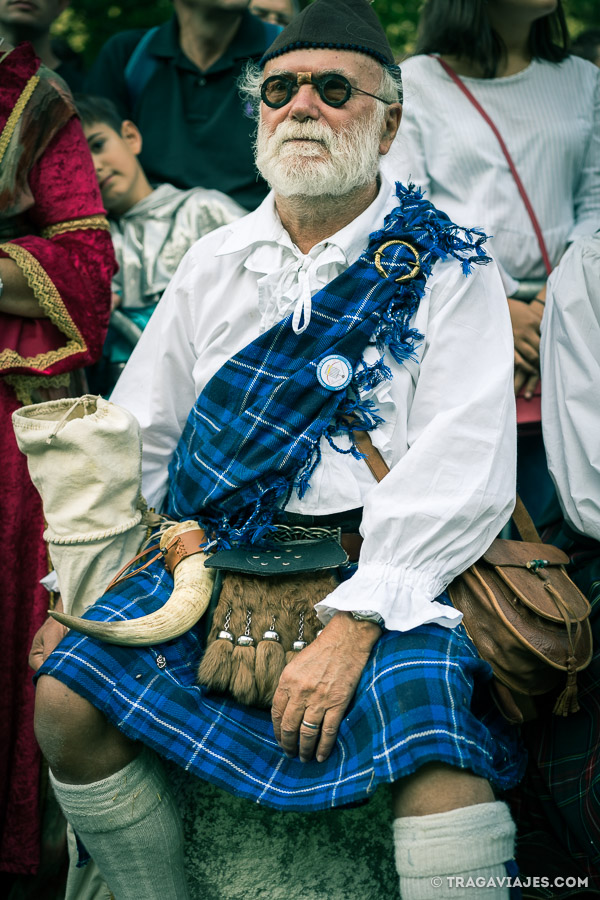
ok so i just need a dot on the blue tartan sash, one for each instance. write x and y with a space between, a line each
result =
253 434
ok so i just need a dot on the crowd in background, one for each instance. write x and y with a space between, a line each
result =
156 149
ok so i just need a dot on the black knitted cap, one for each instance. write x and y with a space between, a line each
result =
335 25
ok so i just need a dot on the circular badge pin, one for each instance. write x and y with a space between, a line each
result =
334 372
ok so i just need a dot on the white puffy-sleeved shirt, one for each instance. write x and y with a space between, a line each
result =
448 436
570 361
549 117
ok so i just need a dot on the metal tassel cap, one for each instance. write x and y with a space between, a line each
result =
245 640
271 636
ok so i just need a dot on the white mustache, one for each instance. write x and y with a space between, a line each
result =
309 130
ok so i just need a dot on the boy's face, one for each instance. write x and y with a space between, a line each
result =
117 168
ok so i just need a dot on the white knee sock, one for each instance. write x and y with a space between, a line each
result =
131 827
436 855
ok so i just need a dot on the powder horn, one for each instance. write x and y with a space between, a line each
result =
189 600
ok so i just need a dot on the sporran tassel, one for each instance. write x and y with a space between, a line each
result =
214 670
269 664
243 683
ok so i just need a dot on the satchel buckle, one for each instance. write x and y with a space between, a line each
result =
535 564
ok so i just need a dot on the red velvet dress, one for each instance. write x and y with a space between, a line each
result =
52 225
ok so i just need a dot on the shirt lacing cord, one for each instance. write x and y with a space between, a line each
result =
303 307
289 286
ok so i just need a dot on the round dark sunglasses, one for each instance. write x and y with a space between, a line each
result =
334 90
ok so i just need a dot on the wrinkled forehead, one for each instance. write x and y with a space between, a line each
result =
357 67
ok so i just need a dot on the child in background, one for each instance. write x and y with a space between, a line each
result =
151 228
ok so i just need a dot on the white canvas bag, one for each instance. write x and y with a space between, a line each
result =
84 456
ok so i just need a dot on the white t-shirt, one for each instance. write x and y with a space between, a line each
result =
449 433
549 117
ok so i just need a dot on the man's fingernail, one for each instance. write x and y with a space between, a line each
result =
320 759
289 755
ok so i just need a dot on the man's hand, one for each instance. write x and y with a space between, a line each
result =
318 685
46 639
526 319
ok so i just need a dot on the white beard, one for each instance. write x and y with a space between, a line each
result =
329 163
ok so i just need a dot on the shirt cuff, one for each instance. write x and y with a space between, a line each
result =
403 597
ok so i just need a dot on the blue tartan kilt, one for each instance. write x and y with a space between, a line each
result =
422 697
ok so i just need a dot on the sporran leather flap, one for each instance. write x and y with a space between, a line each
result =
284 559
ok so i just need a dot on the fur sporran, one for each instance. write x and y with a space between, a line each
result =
258 626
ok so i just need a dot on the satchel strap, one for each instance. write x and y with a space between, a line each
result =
371 454
524 523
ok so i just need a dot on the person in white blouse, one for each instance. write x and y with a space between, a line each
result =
559 801
510 55
570 357
392 689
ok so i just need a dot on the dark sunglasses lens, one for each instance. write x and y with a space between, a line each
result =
276 91
335 90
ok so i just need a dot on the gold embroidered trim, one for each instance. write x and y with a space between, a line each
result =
24 385
86 223
47 295
17 112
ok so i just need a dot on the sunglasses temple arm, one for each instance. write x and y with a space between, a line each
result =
374 96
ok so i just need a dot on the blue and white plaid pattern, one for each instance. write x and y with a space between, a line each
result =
253 434
422 697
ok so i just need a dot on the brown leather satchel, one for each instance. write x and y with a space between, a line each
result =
527 619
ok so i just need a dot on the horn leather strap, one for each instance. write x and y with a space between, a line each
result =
182 546
131 562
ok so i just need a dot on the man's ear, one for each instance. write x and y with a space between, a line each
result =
131 135
390 127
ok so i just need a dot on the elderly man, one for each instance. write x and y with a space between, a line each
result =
337 308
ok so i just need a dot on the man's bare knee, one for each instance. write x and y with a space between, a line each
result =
437 787
77 740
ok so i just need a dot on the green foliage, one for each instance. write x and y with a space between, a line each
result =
399 18
87 24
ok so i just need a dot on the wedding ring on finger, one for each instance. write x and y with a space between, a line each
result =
310 725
